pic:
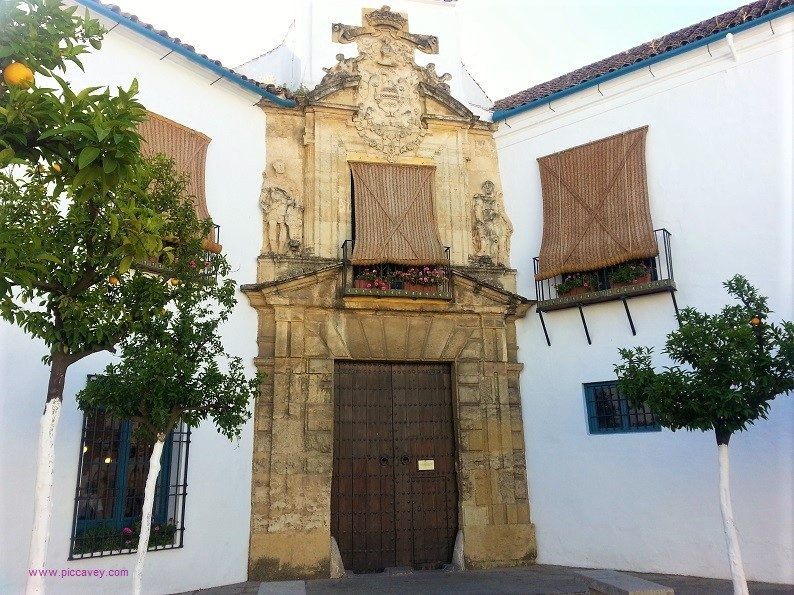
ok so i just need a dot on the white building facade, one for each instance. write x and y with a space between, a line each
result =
183 88
718 156
719 171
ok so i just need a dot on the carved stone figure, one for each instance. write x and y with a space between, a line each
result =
283 215
433 79
492 229
294 223
344 67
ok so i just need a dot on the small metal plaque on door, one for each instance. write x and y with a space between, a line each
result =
426 464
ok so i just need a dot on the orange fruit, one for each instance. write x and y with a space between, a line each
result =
174 281
17 74
113 280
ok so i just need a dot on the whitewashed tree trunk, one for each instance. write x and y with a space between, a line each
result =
42 497
731 535
146 517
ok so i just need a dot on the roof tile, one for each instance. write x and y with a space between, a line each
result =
279 91
655 47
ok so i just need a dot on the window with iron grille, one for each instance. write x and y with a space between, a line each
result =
110 489
609 412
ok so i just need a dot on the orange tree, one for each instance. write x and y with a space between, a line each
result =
728 367
175 368
78 207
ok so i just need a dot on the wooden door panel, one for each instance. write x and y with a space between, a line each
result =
425 500
384 511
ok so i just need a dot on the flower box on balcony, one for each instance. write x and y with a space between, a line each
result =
577 291
416 287
646 278
377 284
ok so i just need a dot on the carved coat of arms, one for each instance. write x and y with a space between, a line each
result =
390 107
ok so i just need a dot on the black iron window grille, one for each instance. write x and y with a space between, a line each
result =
110 489
609 412
414 281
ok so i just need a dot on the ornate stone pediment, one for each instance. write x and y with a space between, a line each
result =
390 87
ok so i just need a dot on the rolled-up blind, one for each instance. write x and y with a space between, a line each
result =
188 149
595 206
394 215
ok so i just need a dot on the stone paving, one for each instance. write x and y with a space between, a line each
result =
529 580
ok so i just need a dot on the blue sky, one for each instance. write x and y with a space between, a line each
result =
508 45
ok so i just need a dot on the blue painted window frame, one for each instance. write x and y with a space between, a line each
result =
119 519
609 412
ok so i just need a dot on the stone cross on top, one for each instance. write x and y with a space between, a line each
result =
383 23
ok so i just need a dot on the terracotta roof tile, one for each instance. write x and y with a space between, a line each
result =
666 43
282 92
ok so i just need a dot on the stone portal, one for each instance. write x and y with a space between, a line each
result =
380 107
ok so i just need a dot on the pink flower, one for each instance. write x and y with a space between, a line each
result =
126 531
157 528
192 264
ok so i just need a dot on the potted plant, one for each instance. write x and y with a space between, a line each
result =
631 273
577 283
421 279
371 279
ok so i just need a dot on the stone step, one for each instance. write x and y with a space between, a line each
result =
612 582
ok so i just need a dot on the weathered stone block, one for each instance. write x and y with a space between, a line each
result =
321 366
470 417
287 435
520 483
482 488
320 388
320 417
474 515
287 464
498 514
289 555
469 394
489 546
296 339
320 465
281 385
472 439
471 461
522 512
319 441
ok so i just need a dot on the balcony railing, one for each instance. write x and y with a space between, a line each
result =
431 281
160 265
599 287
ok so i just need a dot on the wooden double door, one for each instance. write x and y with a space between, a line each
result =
394 492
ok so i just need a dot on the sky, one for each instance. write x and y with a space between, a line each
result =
507 45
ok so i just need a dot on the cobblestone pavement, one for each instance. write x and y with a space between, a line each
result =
525 580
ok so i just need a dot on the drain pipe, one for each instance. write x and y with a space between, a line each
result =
732 47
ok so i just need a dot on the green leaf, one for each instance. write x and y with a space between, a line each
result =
87 156
125 264
6 155
50 257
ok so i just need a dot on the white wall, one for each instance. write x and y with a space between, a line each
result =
719 171
217 514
